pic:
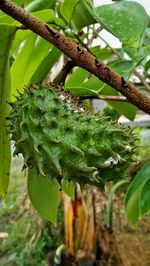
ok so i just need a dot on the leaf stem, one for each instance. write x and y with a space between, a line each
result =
113 98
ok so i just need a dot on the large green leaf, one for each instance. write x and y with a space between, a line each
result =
82 91
48 62
6 36
102 53
20 37
95 87
48 16
40 4
125 68
77 85
147 65
39 53
67 8
133 196
81 15
77 77
44 195
145 198
45 15
33 61
4 19
123 108
19 67
127 20
77 11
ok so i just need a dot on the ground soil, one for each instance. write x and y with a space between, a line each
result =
129 247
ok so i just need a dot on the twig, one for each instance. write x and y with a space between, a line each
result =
61 76
78 54
132 170
113 98
142 79
105 98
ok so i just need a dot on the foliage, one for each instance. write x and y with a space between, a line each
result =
138 197
7 34
32 58
29 238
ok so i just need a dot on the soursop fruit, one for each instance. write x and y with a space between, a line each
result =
60 140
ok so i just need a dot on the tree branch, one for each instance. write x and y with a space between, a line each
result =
78 54
113 98
105 98
61 76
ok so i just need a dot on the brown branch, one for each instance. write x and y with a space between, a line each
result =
78 54
105 98
113 98
61 76
132 170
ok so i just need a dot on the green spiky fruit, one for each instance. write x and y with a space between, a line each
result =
60 140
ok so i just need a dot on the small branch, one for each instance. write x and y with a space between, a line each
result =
113 98
132 170
142 79
79 55
61 77
105 98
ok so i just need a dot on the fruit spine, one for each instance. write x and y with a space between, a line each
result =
61 140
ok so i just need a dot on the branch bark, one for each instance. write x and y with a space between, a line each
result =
79 55
113 98
61 77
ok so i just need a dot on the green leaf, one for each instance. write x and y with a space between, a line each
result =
67 8
77 77
81 91
102 53
4 19
48 62
68 187
20 36
145 198
33 61
44 195
45 15
126 109
6 36
125 68
95 87
48 16
77 11
83 15
40 4
127 20
19 67
144 50
78 87
133 196
40 51
147 65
